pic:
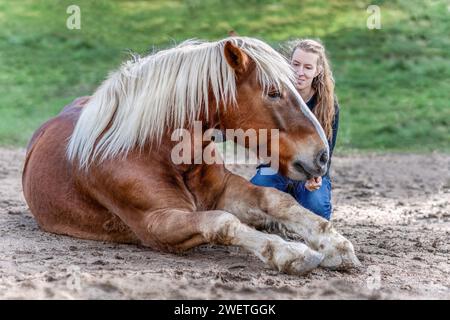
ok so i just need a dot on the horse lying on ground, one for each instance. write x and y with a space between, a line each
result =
102 168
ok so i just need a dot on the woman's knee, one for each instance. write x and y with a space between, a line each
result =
318 201
321 208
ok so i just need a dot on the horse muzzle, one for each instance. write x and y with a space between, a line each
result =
312 168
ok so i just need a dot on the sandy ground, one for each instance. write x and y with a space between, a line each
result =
394 208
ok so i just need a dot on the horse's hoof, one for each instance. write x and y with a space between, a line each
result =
341 259
304 264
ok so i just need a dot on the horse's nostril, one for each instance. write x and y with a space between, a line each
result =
298 166
322 158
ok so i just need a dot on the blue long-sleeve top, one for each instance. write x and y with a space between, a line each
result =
311 103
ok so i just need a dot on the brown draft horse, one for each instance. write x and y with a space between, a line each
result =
102 168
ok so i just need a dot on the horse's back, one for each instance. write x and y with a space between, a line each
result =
70 112
50 139
51 188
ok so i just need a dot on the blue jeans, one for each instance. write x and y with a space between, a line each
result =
318 201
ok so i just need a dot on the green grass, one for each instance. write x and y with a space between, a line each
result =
393 83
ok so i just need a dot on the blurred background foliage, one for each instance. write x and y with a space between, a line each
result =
393 83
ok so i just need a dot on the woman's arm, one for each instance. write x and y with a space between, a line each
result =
335 128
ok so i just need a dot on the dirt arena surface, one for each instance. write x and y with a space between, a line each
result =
395 208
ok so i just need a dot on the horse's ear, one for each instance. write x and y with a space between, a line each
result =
236 58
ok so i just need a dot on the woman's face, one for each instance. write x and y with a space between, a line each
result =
305 66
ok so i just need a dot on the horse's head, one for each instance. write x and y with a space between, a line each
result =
264 103
251 83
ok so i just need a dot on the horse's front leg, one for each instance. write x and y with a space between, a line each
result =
163 214
179 230
263 207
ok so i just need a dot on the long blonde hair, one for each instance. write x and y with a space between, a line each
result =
323 83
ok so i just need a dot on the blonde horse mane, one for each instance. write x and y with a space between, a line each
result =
137 104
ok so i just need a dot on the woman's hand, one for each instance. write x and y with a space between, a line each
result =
313 184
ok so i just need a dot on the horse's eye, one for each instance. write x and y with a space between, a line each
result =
274 94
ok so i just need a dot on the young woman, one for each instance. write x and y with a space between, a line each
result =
315 84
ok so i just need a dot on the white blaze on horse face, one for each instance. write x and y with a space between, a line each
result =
307 148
